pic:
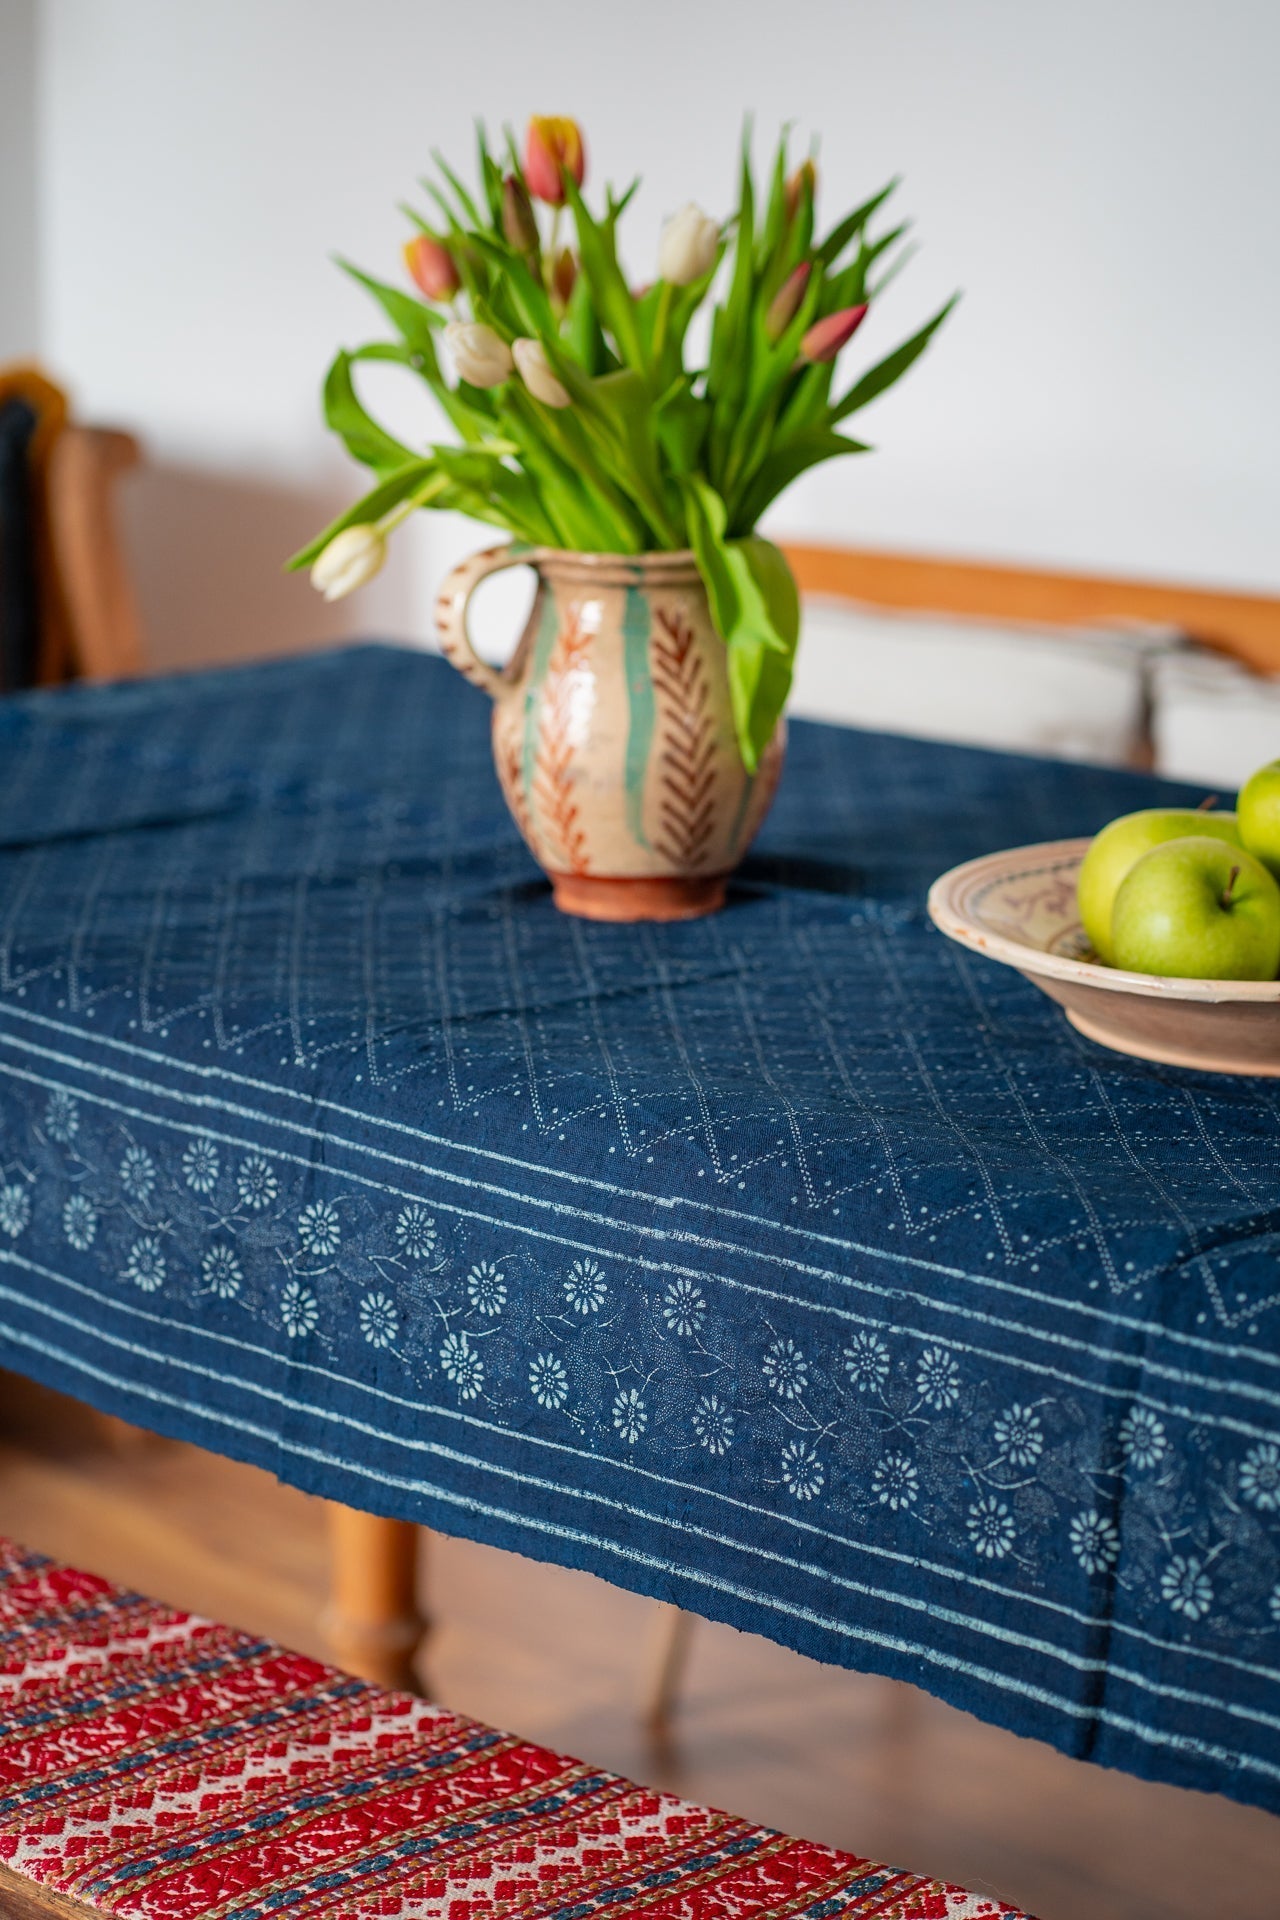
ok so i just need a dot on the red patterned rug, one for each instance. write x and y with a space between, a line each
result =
155 1766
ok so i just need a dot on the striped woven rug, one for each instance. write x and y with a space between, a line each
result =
156 1766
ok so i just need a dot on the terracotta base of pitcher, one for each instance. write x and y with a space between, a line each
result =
650 897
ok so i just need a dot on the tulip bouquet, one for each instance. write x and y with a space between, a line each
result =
581 423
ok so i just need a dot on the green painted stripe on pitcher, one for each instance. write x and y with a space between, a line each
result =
543 648
640 705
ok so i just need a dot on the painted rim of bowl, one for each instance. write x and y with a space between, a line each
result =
954 907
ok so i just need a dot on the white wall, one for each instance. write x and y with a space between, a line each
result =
1099 178
19 292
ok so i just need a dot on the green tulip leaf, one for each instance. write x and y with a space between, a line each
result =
891 368
756 610
612 295
682 420
528 296
364 439
788 461
411 318
584 337
389 493
490 176
851 226
775 217
464 199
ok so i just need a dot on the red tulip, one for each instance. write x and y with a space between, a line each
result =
552 148
825 338
804 179
518 223
564 276
431 267
785 304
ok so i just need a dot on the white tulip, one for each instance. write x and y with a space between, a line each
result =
687 249
351 557
535 370
480 356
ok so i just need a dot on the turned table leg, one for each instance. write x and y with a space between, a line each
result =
121 1436
373 1622
673 1633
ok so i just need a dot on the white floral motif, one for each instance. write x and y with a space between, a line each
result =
866 1361
62 1118
15 1209
80 1222
1187 1587
1274 1603
938 1379
146 1264
1094 1541
630 1415
1019 1437
1260 1476
319 1228
201 1165
1143 1439
991 1527
895 1482
416 1231
138 1174
713 1424
487 1288
584 1286
802 1471
379 1321
222 1272
684 1308
548 1381
462 1364
299 1309
786 1370
256 1183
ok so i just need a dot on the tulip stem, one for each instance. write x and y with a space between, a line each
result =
661 321
421 498
553 249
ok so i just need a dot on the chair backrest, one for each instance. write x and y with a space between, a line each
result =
106 637
58 534
32 622
1247 626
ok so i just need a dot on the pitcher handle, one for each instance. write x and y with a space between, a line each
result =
452 602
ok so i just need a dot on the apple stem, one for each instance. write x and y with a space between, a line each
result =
1209 802
1232 877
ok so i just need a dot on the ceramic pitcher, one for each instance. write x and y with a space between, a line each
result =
612 731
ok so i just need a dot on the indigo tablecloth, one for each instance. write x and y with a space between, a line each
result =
794 1264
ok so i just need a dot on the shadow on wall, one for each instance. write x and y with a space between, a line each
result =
207 551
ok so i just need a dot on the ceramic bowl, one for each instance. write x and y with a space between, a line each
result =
1019 907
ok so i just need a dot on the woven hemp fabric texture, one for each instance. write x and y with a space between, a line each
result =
793 1265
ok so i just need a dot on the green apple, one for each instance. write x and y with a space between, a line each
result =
1199 910
1259 812
1121 845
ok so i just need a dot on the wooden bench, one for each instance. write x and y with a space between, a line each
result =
156 1766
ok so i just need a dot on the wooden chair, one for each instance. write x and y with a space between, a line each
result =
87 613
89 625
375 1621
1244 625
